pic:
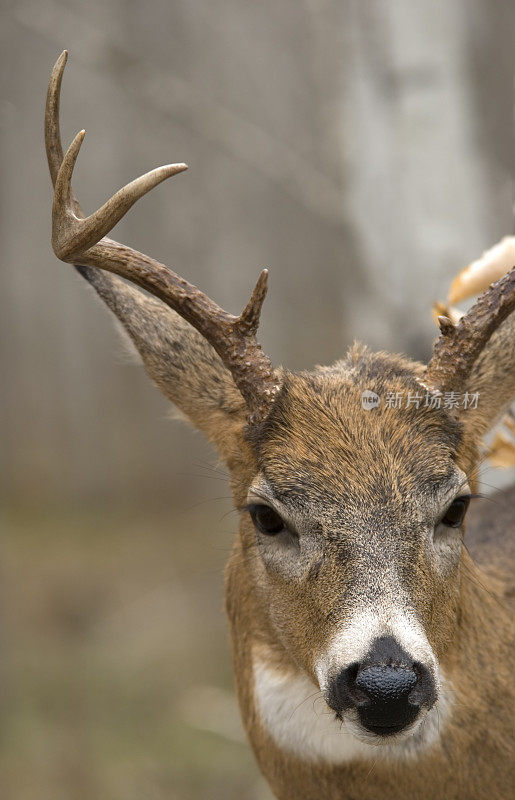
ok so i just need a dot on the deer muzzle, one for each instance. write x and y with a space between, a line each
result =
387 690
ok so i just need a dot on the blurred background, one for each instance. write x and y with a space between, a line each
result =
363 151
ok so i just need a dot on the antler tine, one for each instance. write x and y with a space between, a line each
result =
457 349
54 148
82 240
69 238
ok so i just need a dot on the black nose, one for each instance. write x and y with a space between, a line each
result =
383 698
387 688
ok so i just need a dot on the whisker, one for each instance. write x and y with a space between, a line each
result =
371 769
313 694
202 475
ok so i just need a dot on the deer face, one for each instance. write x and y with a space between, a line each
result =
357 518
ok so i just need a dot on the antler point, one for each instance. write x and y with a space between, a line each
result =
175 169
61 61
263 279
446 325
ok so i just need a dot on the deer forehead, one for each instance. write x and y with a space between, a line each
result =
320 448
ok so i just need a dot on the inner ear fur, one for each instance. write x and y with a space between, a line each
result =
178 360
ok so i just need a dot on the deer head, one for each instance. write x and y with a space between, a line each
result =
347 563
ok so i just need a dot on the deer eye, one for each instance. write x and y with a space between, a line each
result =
266 519
455 514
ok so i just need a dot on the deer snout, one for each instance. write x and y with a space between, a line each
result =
387 689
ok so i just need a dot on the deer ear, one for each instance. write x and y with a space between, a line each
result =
492 379
178 359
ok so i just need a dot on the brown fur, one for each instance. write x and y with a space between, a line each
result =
467 619
362 485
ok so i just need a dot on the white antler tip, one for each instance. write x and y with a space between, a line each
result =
77 143
61 61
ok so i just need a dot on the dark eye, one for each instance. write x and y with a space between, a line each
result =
455 514
266 519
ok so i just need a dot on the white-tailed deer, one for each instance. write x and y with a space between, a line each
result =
372 655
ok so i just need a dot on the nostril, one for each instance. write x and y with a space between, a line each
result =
342 693
356 694
424 692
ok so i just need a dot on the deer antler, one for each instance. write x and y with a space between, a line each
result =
459 345
82 240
